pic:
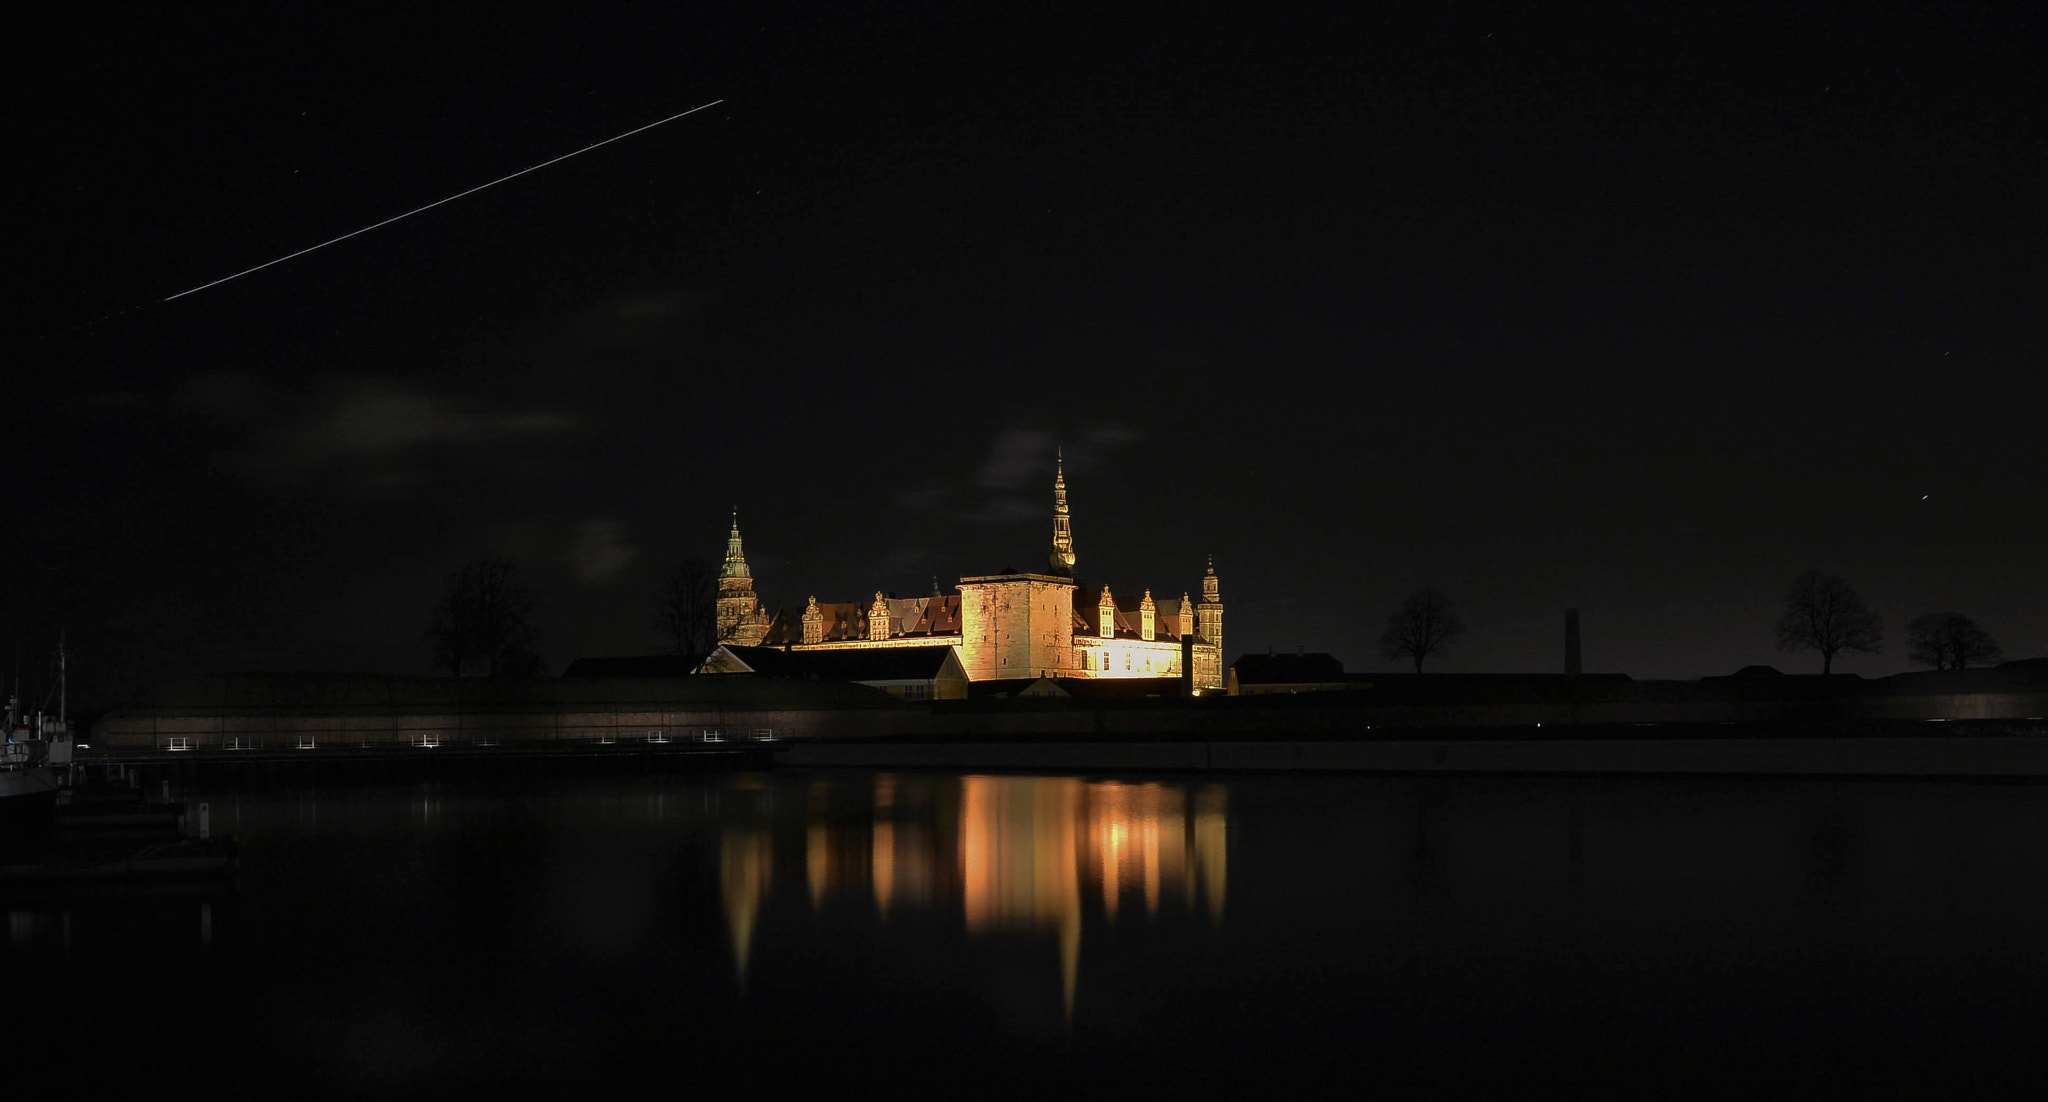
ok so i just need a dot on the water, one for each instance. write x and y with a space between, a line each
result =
927 933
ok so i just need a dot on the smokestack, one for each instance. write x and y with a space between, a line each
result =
1571 641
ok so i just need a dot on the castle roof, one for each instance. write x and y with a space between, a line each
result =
845 620
1088 616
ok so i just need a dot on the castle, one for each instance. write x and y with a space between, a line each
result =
1001 626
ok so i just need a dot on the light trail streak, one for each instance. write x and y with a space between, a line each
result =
439 202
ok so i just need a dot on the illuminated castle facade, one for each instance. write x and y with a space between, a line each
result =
1002 626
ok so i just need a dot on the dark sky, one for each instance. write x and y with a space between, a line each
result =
1632 310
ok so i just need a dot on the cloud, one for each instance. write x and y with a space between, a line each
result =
649 318
1015 457
231 396
1008 509
600 551
371 436
1014 482
357 418
1094 444
921 498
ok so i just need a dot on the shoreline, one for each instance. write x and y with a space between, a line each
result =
2009 756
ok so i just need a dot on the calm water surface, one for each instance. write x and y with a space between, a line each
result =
934 933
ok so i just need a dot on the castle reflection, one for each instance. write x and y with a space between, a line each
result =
998 854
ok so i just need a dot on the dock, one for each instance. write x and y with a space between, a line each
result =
104 836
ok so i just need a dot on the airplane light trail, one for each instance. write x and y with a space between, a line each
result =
450 199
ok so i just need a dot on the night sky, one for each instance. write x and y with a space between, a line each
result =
1636 311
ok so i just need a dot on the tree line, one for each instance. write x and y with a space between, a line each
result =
483 623
1822 613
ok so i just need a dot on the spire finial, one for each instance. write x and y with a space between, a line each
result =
1062 557
735 556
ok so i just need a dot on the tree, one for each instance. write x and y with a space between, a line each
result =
1424 625
1950 641
686 608
1823 613
485 618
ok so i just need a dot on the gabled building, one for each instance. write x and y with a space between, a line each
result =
1257 674
913 673
1029 624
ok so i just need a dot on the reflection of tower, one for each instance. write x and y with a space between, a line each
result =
1062 558
884 853
1029 845
739 611
1212 846
745 861
1017 861
818 844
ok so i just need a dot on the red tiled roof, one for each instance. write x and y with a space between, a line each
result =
918 616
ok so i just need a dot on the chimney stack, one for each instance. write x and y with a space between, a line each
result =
1571 641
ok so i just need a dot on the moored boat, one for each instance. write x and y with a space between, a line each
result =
35 758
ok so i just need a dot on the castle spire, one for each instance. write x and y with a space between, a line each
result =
740 619
1062 557
735 558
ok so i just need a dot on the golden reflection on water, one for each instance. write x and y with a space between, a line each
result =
1012 853
746 864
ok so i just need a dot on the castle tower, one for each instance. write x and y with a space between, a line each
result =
1148 617
1209 625
1022 625
739 610
1062 557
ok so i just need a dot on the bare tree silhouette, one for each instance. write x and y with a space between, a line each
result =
1423 626
686 608
1824 614
1950 641
485 618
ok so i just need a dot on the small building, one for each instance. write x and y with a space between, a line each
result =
1259 674
911 673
